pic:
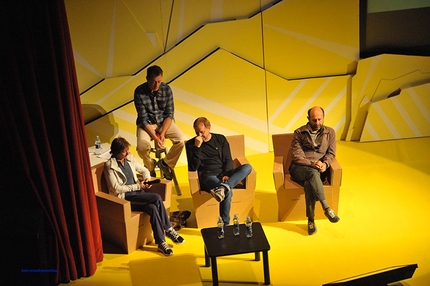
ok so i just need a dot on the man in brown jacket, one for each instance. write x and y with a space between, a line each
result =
313 149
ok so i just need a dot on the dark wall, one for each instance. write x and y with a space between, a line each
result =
395 32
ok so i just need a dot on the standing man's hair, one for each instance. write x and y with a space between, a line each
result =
200 120
153 71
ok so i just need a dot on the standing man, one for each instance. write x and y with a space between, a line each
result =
313 149
209 154
155 121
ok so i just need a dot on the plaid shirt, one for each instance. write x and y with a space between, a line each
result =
153 108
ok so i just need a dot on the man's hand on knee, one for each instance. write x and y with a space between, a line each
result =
320 166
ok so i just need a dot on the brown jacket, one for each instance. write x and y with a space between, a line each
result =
303 151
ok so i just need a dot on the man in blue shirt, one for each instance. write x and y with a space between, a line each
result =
155 121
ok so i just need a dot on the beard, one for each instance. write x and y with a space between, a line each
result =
316 127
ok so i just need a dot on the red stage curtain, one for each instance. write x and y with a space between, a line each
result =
43 142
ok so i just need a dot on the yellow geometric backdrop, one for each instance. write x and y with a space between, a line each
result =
406 115
252 67
387 100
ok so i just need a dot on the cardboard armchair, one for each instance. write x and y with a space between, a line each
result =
206 208
291 196
124 230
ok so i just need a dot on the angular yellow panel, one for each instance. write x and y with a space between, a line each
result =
230 92
87 77
406 115
243 39
228 80
133 45
114 38
289 101
89 25
189 15
108 95
379 77
311 38
152 15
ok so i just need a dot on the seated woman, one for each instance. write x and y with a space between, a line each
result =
120 172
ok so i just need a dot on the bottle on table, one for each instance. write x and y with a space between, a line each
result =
98 146
248 224
220 228
236 225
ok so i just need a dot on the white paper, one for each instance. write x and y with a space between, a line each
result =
106 155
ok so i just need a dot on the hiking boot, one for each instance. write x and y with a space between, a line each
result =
174 236
165 169
218 193
165 249
331 215
312 228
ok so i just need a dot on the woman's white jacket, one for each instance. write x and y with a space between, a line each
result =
116 179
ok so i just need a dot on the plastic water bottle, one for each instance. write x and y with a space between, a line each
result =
98 145
248 224
220 228
236 225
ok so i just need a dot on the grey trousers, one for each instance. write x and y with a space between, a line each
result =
310 179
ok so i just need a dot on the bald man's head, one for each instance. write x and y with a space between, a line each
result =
316 118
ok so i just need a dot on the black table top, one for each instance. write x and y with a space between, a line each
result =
231 244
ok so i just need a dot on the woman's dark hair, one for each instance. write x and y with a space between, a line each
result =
118 145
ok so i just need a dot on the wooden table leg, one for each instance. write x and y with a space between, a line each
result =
214 272
257 256
266 268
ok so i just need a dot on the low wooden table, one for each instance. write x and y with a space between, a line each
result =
231 245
